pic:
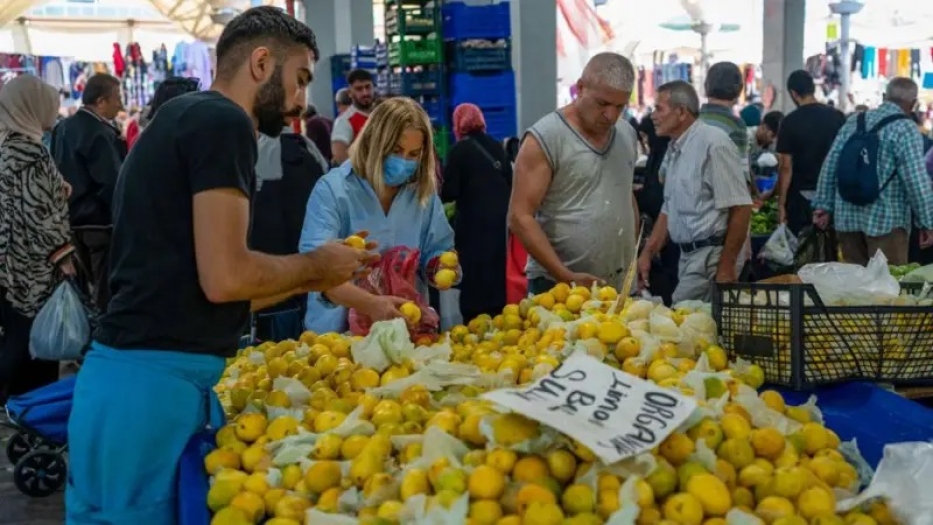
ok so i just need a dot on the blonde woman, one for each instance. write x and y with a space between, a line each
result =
387 188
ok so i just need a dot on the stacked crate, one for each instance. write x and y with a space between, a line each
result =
340 66
479 51
415 60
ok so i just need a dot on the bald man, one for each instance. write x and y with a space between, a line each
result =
572 204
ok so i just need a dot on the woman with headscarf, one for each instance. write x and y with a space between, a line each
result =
478 176
35 236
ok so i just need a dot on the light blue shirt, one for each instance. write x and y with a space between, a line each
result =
342 204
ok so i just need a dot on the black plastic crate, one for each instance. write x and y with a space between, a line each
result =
801 343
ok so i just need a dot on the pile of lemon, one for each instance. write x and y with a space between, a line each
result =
333 452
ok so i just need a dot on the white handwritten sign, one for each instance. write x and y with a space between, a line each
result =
615 414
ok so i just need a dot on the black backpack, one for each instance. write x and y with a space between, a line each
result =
857 169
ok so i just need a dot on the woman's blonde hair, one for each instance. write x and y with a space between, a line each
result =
379 138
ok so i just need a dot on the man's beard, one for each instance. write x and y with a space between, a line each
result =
269 106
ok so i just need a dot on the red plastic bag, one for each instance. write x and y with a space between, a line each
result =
396 274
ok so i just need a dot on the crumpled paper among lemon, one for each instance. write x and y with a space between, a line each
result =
438 444
417 511
387 343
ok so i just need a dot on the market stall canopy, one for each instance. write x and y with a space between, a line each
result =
198 18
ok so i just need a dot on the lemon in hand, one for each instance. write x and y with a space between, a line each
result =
411 311
355 241
449 260
445 278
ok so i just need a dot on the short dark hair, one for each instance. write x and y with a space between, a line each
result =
264 24
724 81
99 86
359 75
772 120
310 111
169 89
801 83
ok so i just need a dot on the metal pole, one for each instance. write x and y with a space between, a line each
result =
844 77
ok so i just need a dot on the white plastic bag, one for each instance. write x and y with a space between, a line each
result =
780 247
852 284
62 329
901 478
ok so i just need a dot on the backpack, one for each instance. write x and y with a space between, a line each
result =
857 170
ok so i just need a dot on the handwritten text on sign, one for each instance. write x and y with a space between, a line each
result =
615 414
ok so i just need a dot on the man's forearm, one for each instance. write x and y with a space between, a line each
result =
538 245
266 302
736 235
658 237
349 295
260 275
784 176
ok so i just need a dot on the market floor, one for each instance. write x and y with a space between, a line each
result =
17 508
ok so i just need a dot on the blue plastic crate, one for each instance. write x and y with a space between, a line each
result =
468 58
462 21
848 407
340 65
501 122
436 110
417 83
490 90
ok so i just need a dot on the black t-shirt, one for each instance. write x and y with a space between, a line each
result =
806 135
196 142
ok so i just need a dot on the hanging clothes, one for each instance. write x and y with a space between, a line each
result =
119 65
882 62
858 58
915 64
198 63
179 66
903 62
868 62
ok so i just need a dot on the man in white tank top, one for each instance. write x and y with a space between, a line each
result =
572 204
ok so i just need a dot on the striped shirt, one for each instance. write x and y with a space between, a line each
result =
901 148
724 119
703 178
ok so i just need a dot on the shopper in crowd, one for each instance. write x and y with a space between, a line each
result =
342 100
350 122
35 237
707 208
663 277
765 141
289 166
917 119
804 140
478 176
168 89
184 279
388 189
89 151
318 129
904 186
724 83
572 202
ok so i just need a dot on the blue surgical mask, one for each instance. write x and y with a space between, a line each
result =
397 170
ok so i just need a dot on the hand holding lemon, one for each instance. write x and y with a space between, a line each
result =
447 273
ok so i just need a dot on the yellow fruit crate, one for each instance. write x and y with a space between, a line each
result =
800 342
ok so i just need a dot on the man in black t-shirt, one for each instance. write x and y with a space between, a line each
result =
803 142
182 277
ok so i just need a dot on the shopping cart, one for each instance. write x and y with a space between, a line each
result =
37 450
